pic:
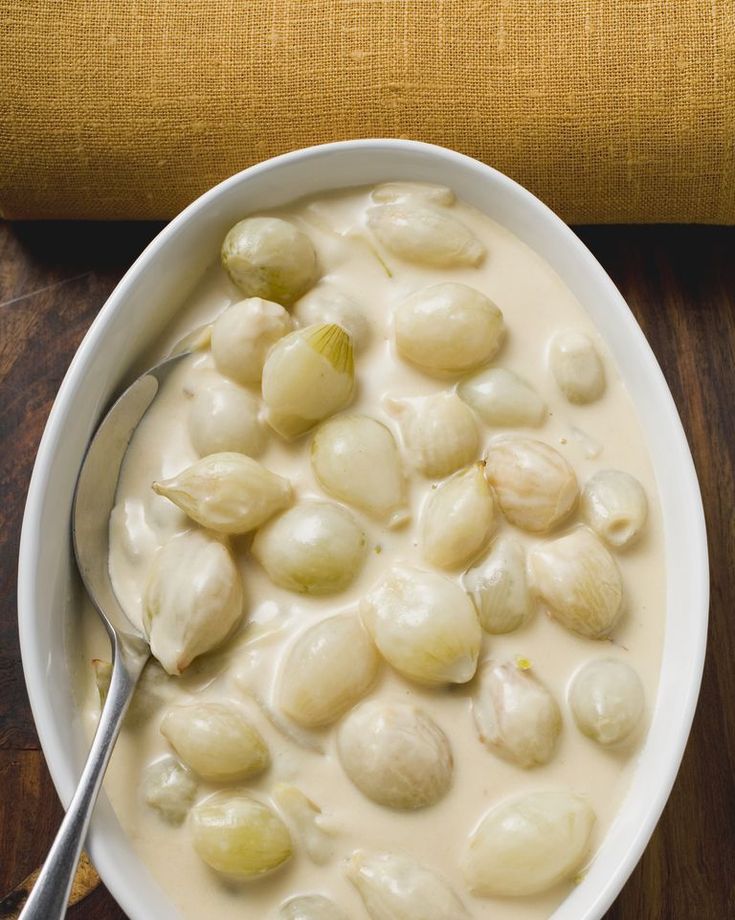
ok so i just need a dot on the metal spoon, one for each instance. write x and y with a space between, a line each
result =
93 502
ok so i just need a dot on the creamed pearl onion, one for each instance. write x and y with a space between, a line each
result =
606 698
576 367
614 505
355 458
448 328
502 398
310 907
324 305
424 235
395 754
239 836
424 625
224 417
243 334
313 548
535 486
193 599
528 844
498 586
329 667
227 492
516 716
457 519
578 580
170 788
439 431
269 257
395 887
308 376
401 191
215 741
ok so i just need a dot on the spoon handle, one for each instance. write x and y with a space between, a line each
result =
50 895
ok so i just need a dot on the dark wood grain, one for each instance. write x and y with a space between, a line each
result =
86 880
679 281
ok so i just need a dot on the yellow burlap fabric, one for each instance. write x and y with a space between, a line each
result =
609 110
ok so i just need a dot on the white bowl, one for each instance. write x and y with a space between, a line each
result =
139 309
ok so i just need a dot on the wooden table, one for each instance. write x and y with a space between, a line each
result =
680 283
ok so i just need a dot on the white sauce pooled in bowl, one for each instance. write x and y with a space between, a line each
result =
446 750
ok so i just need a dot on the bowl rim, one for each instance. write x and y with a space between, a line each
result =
33 665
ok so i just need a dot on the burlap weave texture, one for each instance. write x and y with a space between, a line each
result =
609 110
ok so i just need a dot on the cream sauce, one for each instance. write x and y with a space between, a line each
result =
535 304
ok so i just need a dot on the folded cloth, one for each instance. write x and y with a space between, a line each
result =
609 111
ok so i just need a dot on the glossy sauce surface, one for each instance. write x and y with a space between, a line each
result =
603 434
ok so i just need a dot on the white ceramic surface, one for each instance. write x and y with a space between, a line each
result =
140 307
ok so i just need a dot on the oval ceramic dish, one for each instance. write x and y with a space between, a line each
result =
139 309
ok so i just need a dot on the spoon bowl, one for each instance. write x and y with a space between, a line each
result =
94 499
